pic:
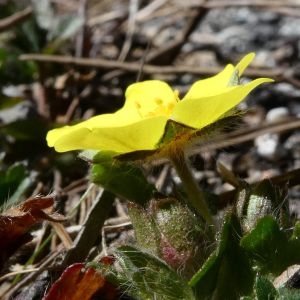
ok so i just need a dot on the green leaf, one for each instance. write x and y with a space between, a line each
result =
296 231
173 129
146 277
204 281
61 26
264 289
13 70
260 200
7 102
27 129
289 294
20 190
123 179
13 183
270 247
227 273
67 26
29 30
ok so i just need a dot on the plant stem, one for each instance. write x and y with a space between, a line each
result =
195 195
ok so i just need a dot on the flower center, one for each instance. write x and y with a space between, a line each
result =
156 107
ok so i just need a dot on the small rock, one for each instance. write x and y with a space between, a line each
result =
286 90
21 111
290 27
13 90
268 146
277 114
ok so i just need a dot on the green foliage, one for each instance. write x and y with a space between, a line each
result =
123 179
8 102
259 200
26 129
227 273
58 28
174 234
143 276
172 130
265 199
13 70
25 37
44 32
14 181
264 289
253 241
296 232
289 294
270 247
61 26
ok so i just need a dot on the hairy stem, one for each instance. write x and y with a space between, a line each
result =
195 195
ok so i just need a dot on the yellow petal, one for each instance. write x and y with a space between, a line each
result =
118 119
202 111
142 135
210 86
244 63
139 125
122 117
218 83
150 98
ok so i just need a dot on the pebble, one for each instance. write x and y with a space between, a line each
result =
21 111
277 114
268 145
286 90
13 91
290 27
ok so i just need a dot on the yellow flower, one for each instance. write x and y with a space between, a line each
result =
141 122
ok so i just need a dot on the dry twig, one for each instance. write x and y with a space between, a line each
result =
15 19
279 74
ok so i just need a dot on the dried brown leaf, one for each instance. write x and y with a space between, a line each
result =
79 282
16 222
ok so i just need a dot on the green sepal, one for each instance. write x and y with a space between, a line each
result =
124 179
173 131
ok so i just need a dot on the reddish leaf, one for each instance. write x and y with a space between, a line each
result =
16 222
107 260
79 282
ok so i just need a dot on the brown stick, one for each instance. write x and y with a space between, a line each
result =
15 19
149 69
257 3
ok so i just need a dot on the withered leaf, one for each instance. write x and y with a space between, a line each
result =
79 282
16 222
